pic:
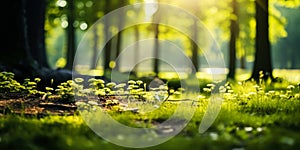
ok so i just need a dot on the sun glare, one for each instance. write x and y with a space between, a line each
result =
61 3
83 26
150 8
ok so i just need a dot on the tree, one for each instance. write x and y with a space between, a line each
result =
36 32
71 45
262 63
289 57
15 46
136 47
23 48
194 27
156 18
107 48
95 49
233 37
156 50
195 47
119 36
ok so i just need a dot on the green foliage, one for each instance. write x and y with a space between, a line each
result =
288 3
89 11
66 91
253 116
31 86
256 99
9 84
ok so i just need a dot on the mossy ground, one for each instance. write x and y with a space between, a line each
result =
252 116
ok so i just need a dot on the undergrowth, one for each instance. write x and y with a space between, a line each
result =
253 115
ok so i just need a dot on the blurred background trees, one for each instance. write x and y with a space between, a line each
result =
232 22
51 31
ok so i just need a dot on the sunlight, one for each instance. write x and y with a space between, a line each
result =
89 4
61 3
151 74
83 26
150 9
215 70
64 24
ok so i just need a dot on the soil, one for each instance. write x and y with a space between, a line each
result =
34 106
37 106
20 104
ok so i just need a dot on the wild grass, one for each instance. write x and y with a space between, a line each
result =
253 116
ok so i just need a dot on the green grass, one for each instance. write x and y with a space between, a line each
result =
232 129
253 116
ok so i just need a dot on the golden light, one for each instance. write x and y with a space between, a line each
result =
61 3
64 24
83 26
150 8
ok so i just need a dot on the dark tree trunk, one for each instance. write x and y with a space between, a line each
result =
94 62
243 61
194 45
14 46
71 49
262 63
107 53
118 49
95 49
107 48
156 50
232 43
119 36
23 49
35 15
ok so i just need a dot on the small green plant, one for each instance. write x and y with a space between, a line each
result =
97 87
257 98
65 91
31 86
8 84
48 92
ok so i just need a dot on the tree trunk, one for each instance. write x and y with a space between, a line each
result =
136 48
262 63
35 15
107 48
243 61
119 36
94 62
232 43
107 52
194 45
14 46
95 49
156 50
24 41
118 49
156 20
71 49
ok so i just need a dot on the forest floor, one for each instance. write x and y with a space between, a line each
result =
38 106
265 116
35 106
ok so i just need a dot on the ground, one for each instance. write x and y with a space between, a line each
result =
35 106
253 116
21 104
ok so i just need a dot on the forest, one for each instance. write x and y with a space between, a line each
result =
151 74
